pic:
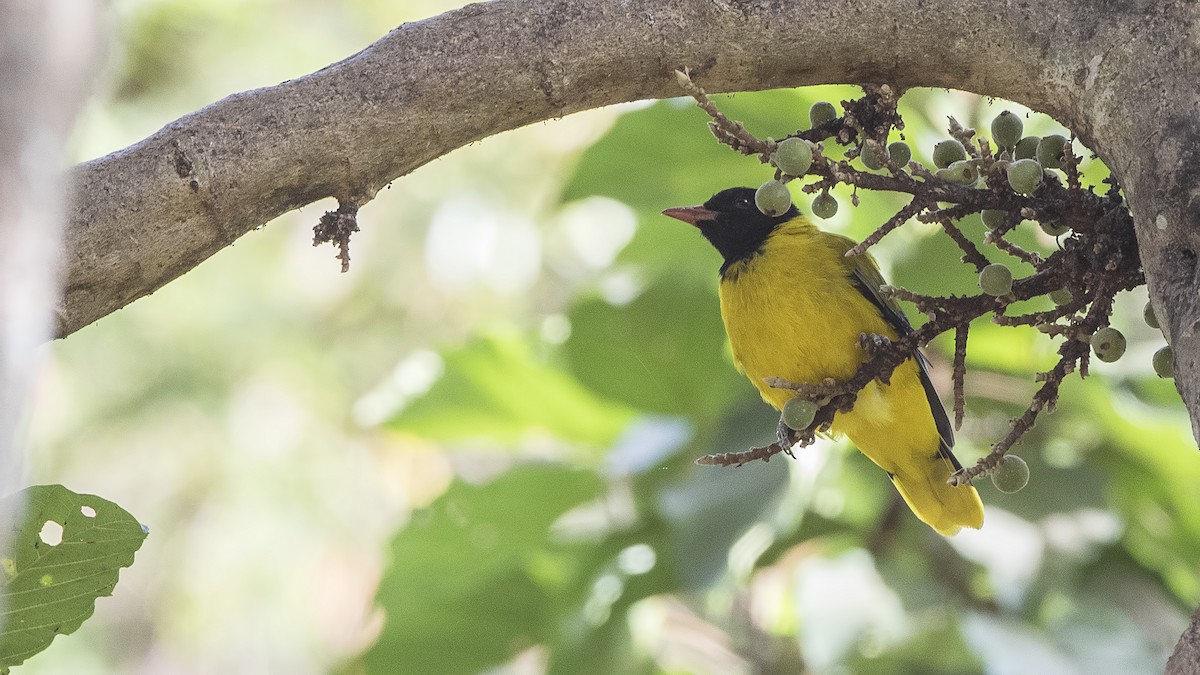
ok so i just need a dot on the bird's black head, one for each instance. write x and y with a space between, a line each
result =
732 223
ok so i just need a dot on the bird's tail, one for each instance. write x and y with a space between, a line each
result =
943 507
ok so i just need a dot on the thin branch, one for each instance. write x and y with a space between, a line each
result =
959 373
765 453
996 239
1074 353
902 216
727 131
971 254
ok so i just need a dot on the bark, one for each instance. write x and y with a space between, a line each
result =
1186 659
1119 72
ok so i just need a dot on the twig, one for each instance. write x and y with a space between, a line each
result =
1070 353
765 453
825 389
971 254
907 211
959 373
1012 249
727 131
963 136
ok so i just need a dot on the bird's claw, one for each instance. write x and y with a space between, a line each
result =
873 343
783 436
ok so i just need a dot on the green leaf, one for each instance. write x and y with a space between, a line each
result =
1153 471
711 509
473 577
664 155
663 352
656 156
494 388
48 590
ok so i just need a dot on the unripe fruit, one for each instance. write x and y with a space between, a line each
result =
1060 296
1108 344
948 152
1148 315
1024 176
870 158
993 218
996 279
773 198
1164 363
1007 129
1026 148
793 156
1050 151
900 152
1054 229
821 112
1011 474
962 172
799 413
824 205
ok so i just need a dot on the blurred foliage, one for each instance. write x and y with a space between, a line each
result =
652 365
868 593
511 594
474 398
510 386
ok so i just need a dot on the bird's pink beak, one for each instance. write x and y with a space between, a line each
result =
690 214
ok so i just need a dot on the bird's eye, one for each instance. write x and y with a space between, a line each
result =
742 203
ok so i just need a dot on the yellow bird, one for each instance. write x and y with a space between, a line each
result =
794 307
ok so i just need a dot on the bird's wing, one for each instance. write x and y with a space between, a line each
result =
866 278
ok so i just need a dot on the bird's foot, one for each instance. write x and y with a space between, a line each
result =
783 437
873 343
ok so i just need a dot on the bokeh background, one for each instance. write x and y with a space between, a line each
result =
474 451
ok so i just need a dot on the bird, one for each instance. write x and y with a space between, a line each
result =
794 307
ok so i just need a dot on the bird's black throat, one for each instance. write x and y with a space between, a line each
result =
738 229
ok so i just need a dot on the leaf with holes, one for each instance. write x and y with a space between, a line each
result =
66 552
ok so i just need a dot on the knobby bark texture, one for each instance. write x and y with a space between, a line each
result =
1118 72
47 54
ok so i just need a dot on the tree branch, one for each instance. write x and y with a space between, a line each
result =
147 214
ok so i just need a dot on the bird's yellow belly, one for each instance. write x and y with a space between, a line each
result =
780 326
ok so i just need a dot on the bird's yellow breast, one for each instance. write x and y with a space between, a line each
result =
792 311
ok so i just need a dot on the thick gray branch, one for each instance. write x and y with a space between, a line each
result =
1118 73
